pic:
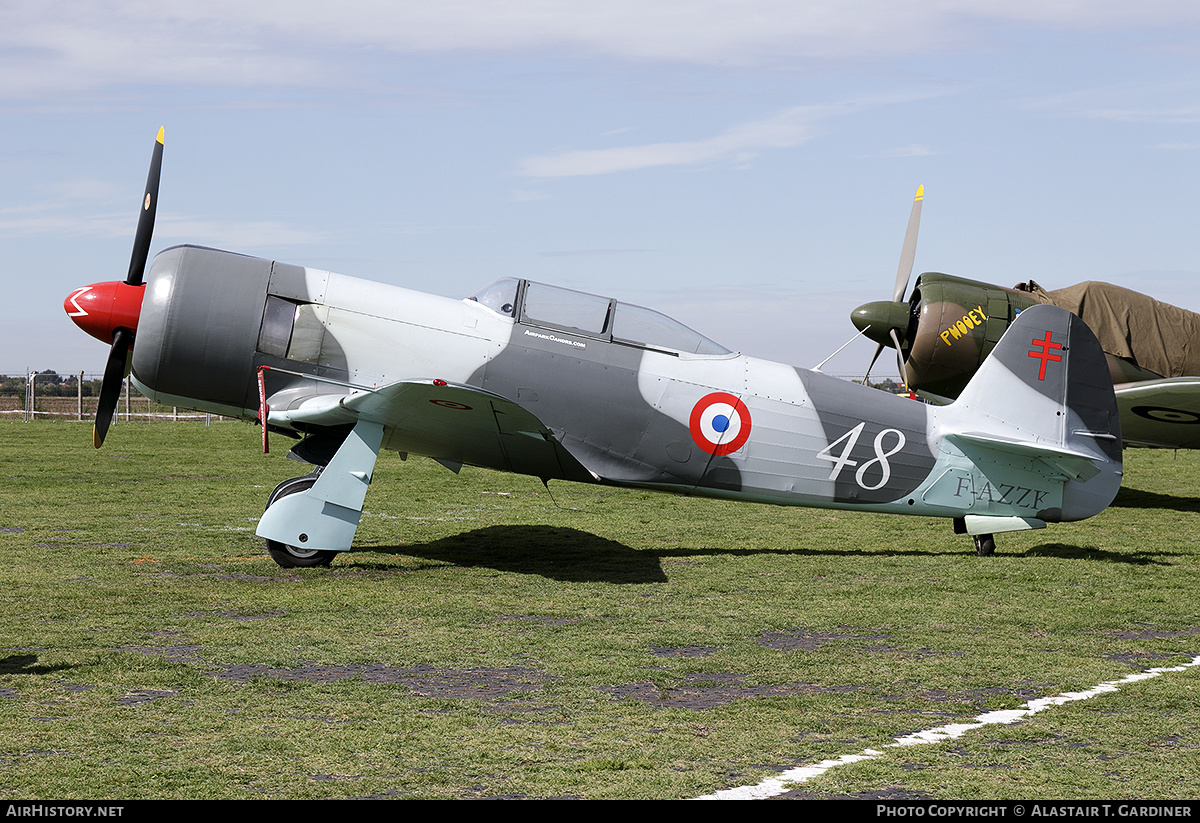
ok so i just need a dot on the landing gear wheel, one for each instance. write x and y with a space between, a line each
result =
296 557
985 545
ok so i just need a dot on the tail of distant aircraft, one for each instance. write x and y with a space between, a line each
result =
1035 437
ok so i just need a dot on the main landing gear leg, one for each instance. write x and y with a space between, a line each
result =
985 545
309 518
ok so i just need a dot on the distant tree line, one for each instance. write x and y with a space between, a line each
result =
49 384
890 386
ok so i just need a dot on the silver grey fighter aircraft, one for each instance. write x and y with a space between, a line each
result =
559 384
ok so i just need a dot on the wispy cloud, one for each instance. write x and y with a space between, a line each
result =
33 223
63 46
738 143
231 235
1160 103
1176 114
42 220
60 214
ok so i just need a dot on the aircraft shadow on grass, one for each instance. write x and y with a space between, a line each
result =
26 664
571 555
1065 551
557 553
1128 498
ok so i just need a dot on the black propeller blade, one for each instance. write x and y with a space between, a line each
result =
110 388
145 227
118 356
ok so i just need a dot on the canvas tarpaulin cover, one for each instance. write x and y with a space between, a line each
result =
1155 335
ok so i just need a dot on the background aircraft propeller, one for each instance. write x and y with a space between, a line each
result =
882 321
109 311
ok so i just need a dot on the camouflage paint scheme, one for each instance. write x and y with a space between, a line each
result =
556 384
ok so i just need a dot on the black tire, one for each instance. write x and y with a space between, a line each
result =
985 545
296 557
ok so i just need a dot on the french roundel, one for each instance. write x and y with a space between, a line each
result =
720 423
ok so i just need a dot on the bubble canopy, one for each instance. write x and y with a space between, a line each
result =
589 315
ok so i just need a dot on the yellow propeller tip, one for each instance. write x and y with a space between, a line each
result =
920 189
160 134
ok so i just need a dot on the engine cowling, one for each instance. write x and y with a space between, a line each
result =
958 324
199 326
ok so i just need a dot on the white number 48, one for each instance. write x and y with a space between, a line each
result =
843 460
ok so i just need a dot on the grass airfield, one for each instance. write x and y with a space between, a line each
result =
492 639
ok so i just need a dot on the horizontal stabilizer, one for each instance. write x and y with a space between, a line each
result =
1072 465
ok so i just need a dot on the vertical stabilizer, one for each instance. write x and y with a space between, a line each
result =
1041 406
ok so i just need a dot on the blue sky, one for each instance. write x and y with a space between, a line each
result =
746 166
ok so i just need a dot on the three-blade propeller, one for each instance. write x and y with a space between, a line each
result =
883 319
109 311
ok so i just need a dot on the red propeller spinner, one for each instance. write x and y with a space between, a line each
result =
102 308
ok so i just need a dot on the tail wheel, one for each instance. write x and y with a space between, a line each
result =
985 545
296 557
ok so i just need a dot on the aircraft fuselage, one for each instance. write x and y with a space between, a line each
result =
613 385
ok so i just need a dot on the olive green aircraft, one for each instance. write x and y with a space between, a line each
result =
948 325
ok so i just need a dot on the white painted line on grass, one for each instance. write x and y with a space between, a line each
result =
774 786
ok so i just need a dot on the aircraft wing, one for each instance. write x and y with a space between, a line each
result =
1163 414
451 423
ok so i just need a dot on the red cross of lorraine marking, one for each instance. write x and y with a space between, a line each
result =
1048 347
